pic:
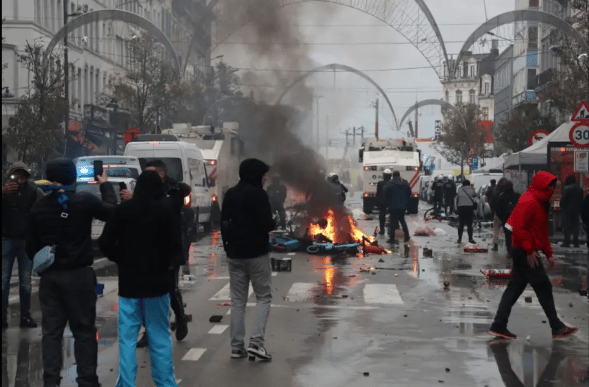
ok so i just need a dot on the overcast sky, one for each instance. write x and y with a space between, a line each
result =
361 41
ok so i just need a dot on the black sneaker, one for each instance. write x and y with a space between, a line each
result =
238 353
407 239
471 241
27 322
259 351
181 328
495 247
504 333
564 332
381 232
142 341
459 241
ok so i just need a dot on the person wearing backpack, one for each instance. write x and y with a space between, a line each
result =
465 204
505 200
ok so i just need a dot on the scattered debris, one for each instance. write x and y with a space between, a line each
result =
424 231
404 315
583 292
427 252
215 318
496 273
396 275
439 231
344 296
223 304
366 373
470 248
447 369
446 284
528 299
571 304
380 260
528 338
543 321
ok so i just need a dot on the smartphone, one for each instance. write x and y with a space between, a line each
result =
13 179
98 168
122 186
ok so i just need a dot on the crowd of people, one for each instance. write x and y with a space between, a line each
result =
148 235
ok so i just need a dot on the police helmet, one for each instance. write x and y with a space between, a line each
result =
387 172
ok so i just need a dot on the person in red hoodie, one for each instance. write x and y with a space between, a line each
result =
529 224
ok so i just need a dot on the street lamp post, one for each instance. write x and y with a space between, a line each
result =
66 76
317 126
114 106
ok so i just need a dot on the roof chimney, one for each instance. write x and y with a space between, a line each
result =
495 43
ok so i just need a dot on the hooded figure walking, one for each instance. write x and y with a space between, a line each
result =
398 192
571 203
246 220
382 199
529 225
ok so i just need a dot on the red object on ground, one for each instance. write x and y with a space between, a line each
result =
475 249
497 273
370 249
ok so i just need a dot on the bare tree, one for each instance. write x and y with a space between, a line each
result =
514 133
570 84
151 90
35 131
462 133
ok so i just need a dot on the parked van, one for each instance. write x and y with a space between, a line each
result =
477 180
184 162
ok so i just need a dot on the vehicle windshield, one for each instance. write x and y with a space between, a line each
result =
174 165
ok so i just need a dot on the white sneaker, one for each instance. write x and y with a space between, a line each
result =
259 352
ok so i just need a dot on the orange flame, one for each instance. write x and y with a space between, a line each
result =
339 230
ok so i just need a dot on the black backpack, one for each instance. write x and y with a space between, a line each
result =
506 204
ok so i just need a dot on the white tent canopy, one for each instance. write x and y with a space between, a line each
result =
537 153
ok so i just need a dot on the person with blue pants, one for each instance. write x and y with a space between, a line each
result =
142 238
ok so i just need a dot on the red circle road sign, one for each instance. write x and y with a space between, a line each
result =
130 135
579 135
537 135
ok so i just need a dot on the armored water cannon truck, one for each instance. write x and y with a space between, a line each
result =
401 155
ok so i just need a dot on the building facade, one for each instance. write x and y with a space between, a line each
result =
96 51
503 86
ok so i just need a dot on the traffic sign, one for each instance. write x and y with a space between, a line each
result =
582 160
475 163
130 135
579 134
537 135
581 113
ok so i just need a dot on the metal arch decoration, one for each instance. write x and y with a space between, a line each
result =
425 102
114 15
334 67
521 15
412 19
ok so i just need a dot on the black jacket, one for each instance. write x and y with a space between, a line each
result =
585 211
437 188
276 193
381 198
246 218
142 238
491 191
72 235
449 189
571 200
504 203
16 208
183 217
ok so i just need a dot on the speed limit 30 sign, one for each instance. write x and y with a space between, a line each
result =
579 135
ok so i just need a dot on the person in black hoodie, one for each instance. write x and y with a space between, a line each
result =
504 201
381 199
184 219
246 220
571 202
67 290
141 237
585 218
18 197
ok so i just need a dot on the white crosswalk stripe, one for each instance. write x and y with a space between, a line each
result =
218 329
300 292
225 294
194 354
382 294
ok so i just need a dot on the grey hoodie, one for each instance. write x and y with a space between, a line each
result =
466 196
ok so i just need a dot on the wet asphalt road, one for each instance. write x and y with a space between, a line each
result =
331 322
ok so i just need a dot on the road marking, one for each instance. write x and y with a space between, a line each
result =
225 293
291 253
382 294
228 312
178 381
218 329
223 278
300 291
194 354
274 274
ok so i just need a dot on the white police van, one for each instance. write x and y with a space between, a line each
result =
184 162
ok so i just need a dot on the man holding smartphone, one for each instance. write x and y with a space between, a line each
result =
18 196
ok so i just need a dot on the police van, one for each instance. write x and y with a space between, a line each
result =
121 171
184 163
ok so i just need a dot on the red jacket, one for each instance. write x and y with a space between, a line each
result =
529 219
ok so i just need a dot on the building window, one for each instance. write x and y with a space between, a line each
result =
472 70
447 96
532 81
487 88
533 38
485 114
534 3
458 96
472 96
